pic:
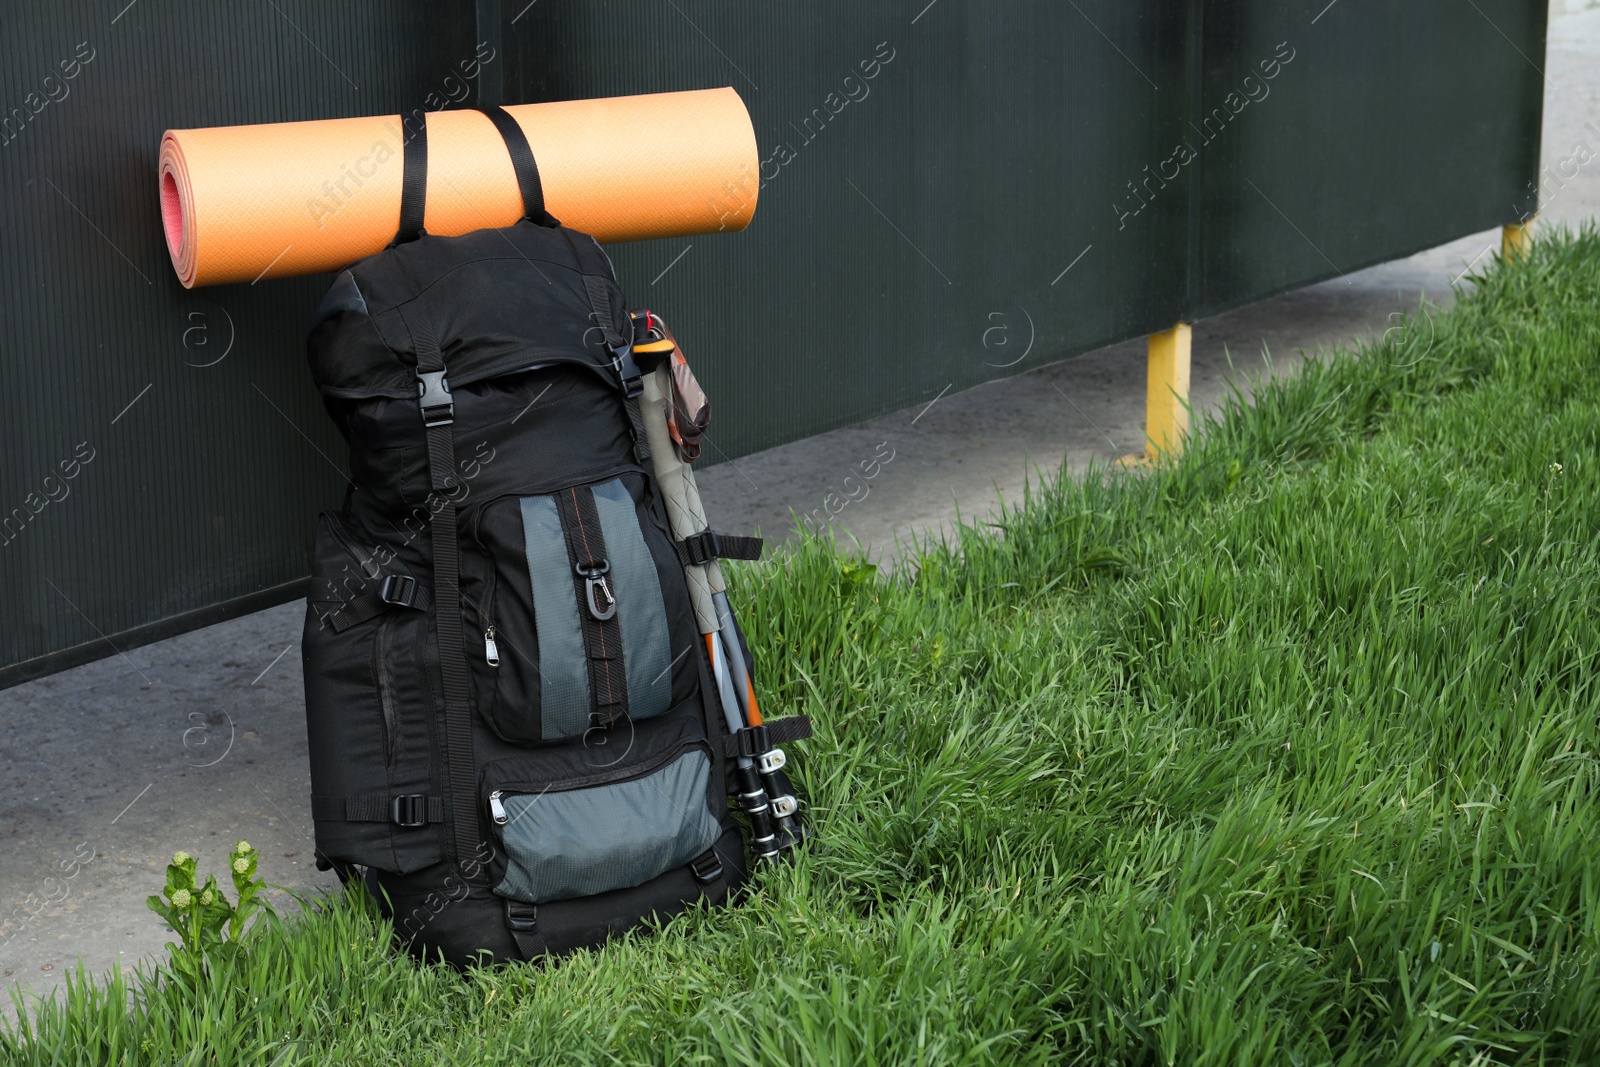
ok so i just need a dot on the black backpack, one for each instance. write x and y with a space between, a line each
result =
523 735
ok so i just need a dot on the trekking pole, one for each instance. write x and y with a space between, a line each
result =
771 761
772 809
686 516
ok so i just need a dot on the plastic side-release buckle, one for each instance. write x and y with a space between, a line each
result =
627 369
433 397
409 810
399 590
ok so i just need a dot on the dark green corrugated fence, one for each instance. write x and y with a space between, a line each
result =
1080 172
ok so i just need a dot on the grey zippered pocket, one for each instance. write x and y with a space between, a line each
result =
603 831
583 612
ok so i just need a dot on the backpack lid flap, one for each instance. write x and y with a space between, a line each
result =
498 300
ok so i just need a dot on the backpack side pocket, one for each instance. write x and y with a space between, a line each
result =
369 706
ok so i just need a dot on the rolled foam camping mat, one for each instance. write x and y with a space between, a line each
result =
241 203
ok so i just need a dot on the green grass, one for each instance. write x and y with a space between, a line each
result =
1287 754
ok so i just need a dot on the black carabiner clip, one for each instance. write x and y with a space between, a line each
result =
594 581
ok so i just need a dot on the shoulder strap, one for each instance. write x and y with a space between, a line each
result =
414 185
523 163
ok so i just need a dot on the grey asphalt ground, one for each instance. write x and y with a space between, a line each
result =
198 741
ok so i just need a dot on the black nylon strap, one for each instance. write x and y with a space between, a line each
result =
524 164
600 303
779 731
370 606
708 545
366 809
602 638
595 267
530 943
459 770
522 920
591 259
414 184
641 441
618 344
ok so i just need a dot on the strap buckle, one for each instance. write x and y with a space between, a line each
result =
628 372
754 742
433 397
706 868
521 917
399 590
409 810
708 544
703 547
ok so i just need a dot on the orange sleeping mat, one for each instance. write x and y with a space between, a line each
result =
241 203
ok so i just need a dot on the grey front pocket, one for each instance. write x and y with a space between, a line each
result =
578 842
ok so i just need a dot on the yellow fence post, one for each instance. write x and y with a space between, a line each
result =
1516 239
1166 396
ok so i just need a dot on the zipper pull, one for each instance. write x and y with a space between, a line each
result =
497 810
491 651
